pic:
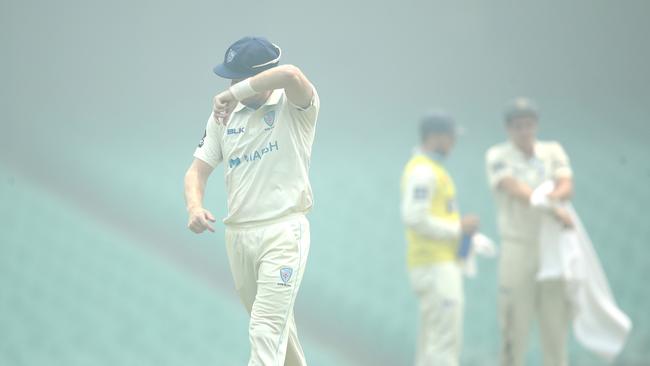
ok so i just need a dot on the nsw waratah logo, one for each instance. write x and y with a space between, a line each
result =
269 118
230 56
285 275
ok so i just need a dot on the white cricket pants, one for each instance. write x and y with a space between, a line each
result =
267 264
439 288
522 299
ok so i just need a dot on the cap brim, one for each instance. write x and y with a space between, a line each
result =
228 73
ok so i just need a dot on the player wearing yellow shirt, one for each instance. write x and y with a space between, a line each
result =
433 233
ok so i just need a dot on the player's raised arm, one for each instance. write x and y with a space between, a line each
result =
288 77
299 90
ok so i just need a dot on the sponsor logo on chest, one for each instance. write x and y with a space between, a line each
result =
236 131
268 123
255 155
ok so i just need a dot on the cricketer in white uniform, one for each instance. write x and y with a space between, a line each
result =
433 234
514 169
262 128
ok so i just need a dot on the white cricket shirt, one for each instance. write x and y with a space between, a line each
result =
517 220
266 154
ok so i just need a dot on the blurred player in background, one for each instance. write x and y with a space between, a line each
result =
515 169
433 233
263 128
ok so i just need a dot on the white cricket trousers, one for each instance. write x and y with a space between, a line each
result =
439 288
267 263
523 299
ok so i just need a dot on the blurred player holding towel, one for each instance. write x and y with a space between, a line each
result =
514 169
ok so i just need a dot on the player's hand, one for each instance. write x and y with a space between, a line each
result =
222 105
200 220
553 196
562 215
469 224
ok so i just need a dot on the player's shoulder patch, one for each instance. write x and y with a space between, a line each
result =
496 152
496 158
497 166
420 192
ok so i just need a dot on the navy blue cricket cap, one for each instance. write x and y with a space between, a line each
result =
248 57
438 123
520 107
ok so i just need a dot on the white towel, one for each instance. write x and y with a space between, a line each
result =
568 254
481 245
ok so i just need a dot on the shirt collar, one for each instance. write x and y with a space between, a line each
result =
273 99
436 157
521 153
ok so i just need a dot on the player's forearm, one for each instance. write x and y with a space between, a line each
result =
441 230
563 190
194 190
280 77
516 189
296 86
430 227
288 77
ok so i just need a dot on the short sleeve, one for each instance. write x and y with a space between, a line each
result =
497 167
561 164
209 149
307 115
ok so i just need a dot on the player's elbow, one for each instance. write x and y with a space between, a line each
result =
292 70
568 195
564 190
292 74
